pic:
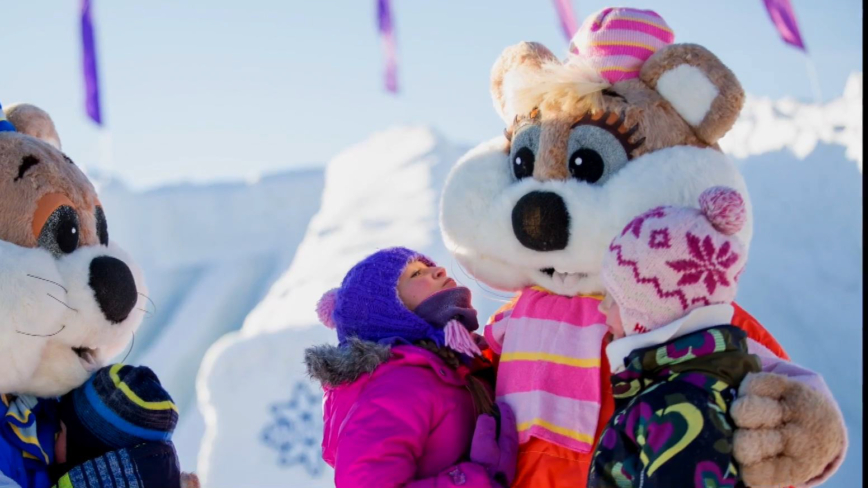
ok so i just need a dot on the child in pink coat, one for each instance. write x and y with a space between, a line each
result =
402 407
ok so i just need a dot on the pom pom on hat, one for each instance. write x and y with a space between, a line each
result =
325 308
724 208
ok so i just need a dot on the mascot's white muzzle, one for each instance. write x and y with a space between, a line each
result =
104 297
513 233
90 303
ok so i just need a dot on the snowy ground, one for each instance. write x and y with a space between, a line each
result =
250 260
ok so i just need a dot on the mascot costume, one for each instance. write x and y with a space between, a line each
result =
70 298
628 122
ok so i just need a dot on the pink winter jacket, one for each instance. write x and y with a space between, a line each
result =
409 423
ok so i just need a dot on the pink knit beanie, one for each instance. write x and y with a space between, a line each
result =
618 41
671 260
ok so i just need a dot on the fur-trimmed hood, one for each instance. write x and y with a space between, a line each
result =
332 365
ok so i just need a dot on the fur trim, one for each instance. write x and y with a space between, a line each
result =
332 365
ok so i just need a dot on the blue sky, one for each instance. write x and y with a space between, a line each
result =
215 90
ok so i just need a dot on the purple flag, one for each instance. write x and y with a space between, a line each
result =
384 21
568 18
91 83
784 19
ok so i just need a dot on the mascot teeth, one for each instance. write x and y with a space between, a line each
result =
564 277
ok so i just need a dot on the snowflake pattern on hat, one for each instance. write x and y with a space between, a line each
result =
671 260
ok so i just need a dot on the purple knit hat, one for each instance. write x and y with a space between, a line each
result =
367 304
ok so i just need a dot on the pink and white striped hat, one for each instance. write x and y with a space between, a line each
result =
617 41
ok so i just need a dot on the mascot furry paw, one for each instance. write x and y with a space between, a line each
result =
629 123
70 298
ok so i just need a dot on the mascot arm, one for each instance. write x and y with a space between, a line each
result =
790 430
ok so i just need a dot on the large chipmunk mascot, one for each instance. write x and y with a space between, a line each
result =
627 122
71 300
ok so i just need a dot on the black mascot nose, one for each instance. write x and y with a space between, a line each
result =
541 222
115 289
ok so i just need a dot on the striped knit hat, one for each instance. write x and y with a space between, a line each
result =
618 41
120 406
5 125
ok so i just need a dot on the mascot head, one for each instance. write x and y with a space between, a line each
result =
69 296
629 121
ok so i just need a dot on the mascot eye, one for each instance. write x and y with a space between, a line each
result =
587 165
61 231
522 156
522 163
101 227
595 154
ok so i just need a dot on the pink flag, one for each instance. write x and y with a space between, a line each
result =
568 18
784 19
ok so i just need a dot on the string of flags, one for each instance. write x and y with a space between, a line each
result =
387 35
784 19
780 11
567 18
91 81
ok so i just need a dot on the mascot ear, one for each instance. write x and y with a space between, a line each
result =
514 69
33 121
698 86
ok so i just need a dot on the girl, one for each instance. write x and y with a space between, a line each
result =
403 406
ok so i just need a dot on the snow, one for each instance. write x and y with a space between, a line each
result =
769 125
209 253
248 261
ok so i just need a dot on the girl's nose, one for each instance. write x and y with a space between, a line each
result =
439 272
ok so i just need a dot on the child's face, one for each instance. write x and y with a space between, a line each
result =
610 309
60 445
419 282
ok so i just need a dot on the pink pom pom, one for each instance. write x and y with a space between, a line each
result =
325 308
724 208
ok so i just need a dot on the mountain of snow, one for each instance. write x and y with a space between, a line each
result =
209 254
766 125
235 270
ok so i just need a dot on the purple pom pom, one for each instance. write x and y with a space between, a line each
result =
325 308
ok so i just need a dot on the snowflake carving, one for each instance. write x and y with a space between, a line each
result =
296 430
708 265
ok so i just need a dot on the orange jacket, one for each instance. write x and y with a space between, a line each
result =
542 464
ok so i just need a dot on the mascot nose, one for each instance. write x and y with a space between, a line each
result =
541 222
115 289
